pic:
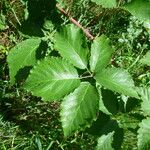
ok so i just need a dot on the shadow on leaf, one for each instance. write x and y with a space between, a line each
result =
38 10
22 74
110 101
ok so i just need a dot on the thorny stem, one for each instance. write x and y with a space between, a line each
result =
88 34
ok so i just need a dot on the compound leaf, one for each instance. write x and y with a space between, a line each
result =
101 52
144 135
139 8
118 80
72 45
106 4
145 95
52 79
146 59
23 54
105 142
80 108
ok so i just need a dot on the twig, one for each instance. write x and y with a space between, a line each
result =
16 17
88 34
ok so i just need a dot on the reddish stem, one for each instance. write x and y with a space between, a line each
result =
88 34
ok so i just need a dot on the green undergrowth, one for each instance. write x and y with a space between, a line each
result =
27 123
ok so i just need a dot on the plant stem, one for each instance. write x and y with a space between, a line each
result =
88 34
136 60
85 77
89 72
16 16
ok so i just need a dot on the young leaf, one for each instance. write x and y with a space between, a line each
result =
3 24
146 59
79 108
52 79
101 52
144 135
106 3
139 8
145 95
117 80
23 54
105 142
72 45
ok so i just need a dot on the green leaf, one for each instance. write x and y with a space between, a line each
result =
38 143
144 135
106 3
101 53
105 142
101 103
118 80
23 54
139 8
145 95
146 59
52 79
3 25
72 45
126 121
80 108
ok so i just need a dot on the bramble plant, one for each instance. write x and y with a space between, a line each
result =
79 73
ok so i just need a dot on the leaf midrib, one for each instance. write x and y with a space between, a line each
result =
79 105
75 52
30 53
118 85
